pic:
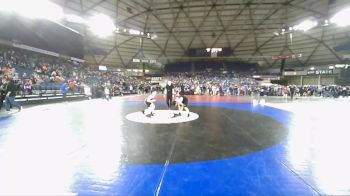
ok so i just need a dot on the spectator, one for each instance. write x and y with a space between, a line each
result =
27 87
11 95
64 89
3 88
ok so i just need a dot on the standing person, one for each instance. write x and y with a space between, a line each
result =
149 102
169 94
292 91
11 95
106 90
87 91
3 88
256 92
182 104
64 89
182 89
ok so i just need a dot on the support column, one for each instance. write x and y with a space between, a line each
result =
224 66
143 69
319 80
193 67
301 80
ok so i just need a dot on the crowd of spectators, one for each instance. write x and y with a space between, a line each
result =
306 91
212 83
33 70
205 83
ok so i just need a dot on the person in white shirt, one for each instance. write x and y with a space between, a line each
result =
149 102
107 93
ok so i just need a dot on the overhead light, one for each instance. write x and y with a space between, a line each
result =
48 10
305 25
134 32
340 65
7 6
42 9
154 36
283 31
276 33
101 25
75 19
312 68
342 18
326 23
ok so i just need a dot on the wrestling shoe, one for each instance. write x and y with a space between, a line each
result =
175 115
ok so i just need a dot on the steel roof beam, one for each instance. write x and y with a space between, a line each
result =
255 40
92 6
262 45
112 49
276 10
234 18
169 34
197 29
222 24
147 16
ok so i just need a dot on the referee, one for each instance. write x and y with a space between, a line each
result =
169 94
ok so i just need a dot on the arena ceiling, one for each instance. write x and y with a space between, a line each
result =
250 27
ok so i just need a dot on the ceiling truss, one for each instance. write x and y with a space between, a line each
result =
246 26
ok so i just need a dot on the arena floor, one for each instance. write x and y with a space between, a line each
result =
228 146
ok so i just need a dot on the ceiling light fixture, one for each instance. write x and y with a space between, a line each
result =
341 18
134 32
39 9
101 25
75 19
305 25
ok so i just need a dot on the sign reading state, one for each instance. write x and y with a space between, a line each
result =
320 72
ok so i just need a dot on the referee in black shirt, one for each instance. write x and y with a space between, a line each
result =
169 94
